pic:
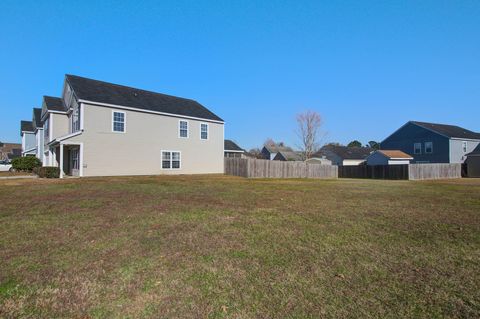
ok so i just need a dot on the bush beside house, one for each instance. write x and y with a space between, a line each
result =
47 172
27 163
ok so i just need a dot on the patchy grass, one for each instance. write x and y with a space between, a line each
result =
8 174
225 247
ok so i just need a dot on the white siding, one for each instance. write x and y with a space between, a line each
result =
138 150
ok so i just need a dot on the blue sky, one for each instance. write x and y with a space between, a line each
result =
366 66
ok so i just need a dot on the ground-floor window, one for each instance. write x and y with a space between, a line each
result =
171 160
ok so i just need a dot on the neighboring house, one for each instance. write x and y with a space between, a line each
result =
9 151
270 151
27 132
344 155
473 162
319 160
38 130
288 156
383 157
433 143
93 127
231 149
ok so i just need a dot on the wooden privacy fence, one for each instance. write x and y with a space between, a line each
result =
434 171
256 168
406 172
374 172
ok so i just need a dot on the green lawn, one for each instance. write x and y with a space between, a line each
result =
226 247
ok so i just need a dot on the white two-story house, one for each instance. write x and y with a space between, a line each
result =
103 129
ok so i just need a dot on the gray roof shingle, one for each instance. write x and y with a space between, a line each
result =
345 152
37 118
109 93
230 145
451 131
26 126
54 103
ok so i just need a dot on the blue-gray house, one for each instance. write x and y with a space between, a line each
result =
433 143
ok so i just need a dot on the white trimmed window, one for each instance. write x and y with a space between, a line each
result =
417 148
171 160
183 129
428 147
75 118
464 147
204 131
46 131
118 121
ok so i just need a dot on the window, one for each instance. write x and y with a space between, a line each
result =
170 160
46 131
183 129
75 118
68 95
204 131
118 124
417 148
465 147
428 147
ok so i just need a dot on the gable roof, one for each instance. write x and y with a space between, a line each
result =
395 154
475 152
54 103
277 148
289 156
450 131
230 145
26 126
109 93
37 117
345 152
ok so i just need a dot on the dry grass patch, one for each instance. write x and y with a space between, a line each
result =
224 247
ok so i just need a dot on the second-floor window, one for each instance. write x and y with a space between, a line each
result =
75 118
428 147
183 128
204 131
417 148
118 124
46 131
465 147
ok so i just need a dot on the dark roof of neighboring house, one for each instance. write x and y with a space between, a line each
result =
395 154
450 131
230 145
475 152
37 117
289 156
278 148
345 152
26 126
54 103
109 93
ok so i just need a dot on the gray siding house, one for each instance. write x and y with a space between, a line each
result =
231 149
27 133
93 127
344 155
432 143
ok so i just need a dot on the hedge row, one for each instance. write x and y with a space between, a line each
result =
47 172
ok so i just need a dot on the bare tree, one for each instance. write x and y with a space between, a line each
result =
309 125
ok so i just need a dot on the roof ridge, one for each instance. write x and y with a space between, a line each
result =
129 87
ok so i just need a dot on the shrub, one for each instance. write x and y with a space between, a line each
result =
47 172
27 163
